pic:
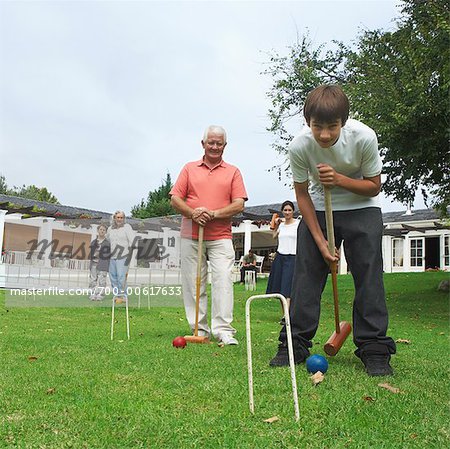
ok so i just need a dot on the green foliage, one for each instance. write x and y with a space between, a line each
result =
3 185
398 84
31 192
293 77
157 203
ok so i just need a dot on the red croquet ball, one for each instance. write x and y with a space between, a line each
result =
179 342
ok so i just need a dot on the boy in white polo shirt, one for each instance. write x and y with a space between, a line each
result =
342 154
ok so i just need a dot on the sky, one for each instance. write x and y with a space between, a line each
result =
99 100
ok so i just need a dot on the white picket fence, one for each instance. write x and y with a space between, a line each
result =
20 271
25 258
21 258
28 276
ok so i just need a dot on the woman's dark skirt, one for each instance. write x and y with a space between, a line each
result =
281 274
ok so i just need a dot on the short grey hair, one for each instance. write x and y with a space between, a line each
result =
215 129
113 216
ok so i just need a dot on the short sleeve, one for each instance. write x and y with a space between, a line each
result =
237 187
371 164
180 188
299 166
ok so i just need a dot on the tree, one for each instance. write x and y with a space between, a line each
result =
397 83
157 203
293 77
34 193
3 185
31 192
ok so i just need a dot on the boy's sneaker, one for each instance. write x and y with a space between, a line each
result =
282 356
377 364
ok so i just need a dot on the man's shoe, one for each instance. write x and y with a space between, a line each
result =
282 356
377 364
228 340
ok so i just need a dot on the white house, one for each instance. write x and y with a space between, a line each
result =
46 243
412 241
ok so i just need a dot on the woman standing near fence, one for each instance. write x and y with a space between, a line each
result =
121 237
282 271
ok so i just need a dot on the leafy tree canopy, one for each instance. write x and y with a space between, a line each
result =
397 82
3 185
31 192
157 203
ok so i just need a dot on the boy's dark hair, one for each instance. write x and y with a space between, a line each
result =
326 104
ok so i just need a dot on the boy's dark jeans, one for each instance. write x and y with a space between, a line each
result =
361 231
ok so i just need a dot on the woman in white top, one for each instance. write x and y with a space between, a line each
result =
121 236
282 271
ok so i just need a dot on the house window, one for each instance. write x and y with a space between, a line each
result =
447 250
397 252
416 252
171 242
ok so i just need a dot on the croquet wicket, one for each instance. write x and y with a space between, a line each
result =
290 350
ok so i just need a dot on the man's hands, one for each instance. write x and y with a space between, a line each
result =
201 215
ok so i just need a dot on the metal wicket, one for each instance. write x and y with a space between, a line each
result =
290 350
127 317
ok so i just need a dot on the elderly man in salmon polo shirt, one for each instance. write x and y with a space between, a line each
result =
208 192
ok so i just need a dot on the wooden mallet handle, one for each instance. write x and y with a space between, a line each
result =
198 279
332 250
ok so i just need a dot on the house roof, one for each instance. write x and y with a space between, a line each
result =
155 224
261 212
416 215
52 208
265 211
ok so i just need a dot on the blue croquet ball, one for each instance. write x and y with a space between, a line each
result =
316 363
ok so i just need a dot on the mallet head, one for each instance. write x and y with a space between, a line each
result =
335 342
196 339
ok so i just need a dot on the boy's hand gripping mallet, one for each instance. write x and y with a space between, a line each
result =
343 328
196 338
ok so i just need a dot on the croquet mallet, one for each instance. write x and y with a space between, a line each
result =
197 338
343 328
273 221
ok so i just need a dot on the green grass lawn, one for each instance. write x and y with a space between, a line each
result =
84 391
